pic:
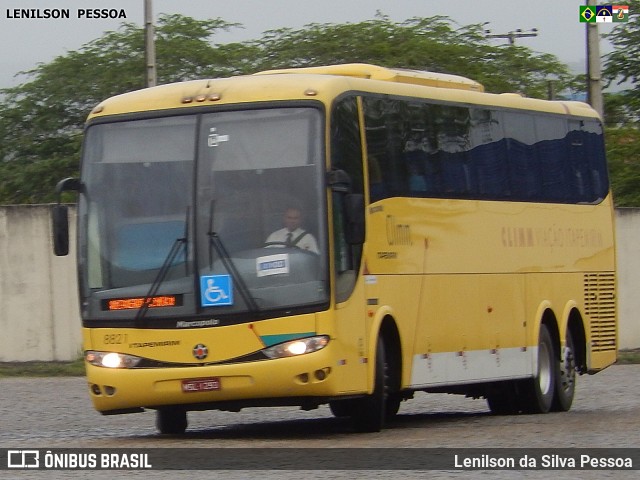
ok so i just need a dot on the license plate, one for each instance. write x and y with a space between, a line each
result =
200 385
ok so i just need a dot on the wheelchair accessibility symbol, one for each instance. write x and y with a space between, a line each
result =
216 290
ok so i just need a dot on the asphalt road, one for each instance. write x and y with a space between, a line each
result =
50 413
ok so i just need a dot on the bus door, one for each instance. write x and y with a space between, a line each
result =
349 297
347 207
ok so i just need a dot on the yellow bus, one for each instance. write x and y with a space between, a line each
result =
441 239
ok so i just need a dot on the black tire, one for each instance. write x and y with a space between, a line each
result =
171 421
369 413
392 406
503 399
565 377
538 393
341 408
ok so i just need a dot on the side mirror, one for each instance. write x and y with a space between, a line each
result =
354 216
60 217
353 205
60 222
339 181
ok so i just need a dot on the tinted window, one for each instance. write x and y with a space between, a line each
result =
432 150
346 154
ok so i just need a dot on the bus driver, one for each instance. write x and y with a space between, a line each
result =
292 235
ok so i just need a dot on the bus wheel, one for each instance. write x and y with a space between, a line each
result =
369 413
171 421
539 391
341 408
565 378
392 406
503 399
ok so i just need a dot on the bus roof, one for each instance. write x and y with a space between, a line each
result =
325 83
374 72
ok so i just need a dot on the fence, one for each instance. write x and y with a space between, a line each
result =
39 317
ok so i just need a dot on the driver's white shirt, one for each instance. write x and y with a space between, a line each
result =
306 243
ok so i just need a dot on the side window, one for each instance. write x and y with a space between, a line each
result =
453 133
587 163
401 148
552 154
386 139
489 154
417 151
420 149
524 169
346 146
346 155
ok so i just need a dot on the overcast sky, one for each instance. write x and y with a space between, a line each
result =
25 42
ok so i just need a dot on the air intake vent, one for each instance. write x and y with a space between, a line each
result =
600 306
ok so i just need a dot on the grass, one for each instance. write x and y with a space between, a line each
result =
76 368
42 369
628 357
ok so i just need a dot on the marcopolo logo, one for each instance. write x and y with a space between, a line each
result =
200 351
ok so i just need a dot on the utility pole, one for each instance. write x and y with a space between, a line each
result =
511 36
150 45
594 74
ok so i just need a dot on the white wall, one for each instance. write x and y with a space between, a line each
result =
628 244
39 317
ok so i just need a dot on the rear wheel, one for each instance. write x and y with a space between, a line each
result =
565 377
171 420
538 392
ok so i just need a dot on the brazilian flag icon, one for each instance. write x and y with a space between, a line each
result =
588 14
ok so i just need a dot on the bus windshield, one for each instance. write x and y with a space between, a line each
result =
212 213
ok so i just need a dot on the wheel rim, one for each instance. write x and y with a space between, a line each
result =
569 370
544 373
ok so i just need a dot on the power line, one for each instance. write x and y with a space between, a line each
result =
511 36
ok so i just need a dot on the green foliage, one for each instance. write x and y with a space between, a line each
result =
623 150
436 44
629 357
623 109
41 120
43 369
617 109
623 64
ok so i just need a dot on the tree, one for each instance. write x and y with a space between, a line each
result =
41 120
623 64
623 151
436 44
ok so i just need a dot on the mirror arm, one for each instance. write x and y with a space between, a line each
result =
60 216
66 185
339 181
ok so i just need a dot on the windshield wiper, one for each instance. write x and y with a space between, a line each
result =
216 242
178 244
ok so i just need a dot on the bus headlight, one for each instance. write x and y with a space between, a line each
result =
297 347
111 359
